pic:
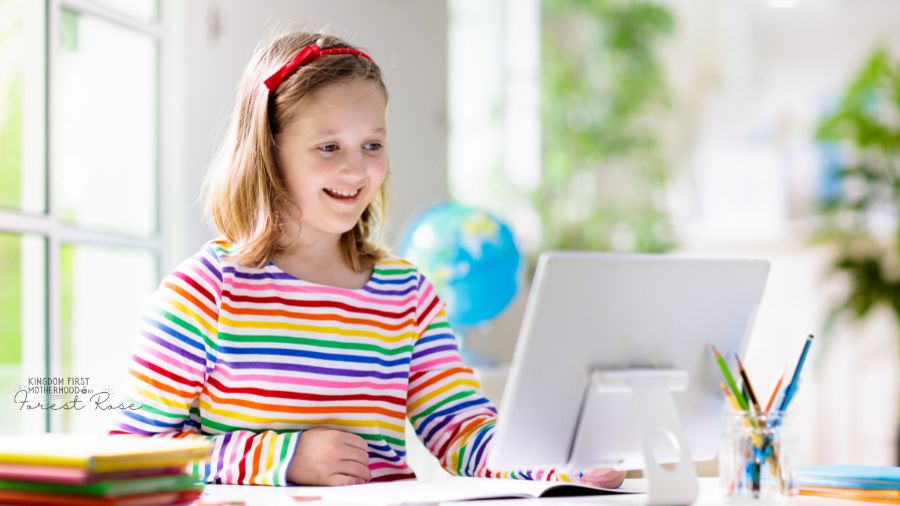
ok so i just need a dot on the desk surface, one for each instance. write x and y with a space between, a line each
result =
274 496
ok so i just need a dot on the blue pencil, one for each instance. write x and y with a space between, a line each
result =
792 386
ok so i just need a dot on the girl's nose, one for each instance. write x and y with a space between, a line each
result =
354 164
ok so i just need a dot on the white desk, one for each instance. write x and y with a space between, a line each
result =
275 496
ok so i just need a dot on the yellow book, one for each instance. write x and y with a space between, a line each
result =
101 453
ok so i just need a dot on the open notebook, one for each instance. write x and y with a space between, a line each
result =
420 492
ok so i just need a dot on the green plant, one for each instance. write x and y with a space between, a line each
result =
603 94
860 218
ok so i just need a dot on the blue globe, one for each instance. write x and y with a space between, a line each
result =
470 256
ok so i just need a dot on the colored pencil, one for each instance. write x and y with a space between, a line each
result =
729 397
792 386
750 393
775 392
730 379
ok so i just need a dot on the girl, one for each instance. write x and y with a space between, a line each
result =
294 343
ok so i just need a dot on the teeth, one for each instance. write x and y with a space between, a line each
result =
342 193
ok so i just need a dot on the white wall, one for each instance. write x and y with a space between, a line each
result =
209 43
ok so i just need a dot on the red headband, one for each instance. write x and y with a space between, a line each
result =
307 55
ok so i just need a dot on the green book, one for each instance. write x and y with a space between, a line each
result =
109 488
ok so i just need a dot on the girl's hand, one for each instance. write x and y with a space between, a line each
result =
603 477
329 457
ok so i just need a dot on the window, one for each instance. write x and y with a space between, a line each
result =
79 177
494 142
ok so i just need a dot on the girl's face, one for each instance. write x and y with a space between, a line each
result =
333 157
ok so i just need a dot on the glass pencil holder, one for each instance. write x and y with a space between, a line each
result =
757 455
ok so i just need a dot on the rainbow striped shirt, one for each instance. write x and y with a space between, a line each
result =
250 358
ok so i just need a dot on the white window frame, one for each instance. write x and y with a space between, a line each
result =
49 225
494 65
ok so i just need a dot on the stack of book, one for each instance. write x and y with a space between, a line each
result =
857 483
98 470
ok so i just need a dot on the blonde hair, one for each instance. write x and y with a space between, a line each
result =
246 193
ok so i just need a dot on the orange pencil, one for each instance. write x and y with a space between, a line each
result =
774 392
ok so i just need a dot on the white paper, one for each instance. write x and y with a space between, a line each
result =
398 493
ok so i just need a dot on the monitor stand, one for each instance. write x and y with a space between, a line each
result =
659 429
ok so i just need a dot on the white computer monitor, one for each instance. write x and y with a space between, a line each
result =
613 363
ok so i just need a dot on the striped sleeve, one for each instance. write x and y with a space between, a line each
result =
174 352
445 404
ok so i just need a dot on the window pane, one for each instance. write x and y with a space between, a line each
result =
145 10
102 292
22 331
103 134
21 106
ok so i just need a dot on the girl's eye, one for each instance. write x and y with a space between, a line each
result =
328 148
373 146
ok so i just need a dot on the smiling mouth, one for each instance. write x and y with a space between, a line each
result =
345 195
